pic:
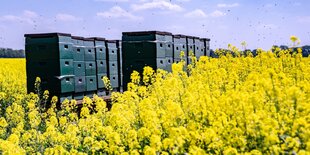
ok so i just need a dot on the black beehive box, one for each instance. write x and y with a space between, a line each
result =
50 57
155 47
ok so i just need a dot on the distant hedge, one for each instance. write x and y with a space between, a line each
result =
11 53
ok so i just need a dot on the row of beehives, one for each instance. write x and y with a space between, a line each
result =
72 67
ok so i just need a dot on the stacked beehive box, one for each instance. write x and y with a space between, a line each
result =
70 66
73 67
101 64
79 67
179 45
146 48
50 57
113 59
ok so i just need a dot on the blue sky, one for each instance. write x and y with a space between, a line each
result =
261 23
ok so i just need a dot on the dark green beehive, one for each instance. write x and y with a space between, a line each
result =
50 57
101 66
190 43
89 48
169 45
141 50
147 44
114 81
144 36
100 48
199 47
113 74
80 84
79 68
111 50
207 46
100 82
113 61
80 87
169 62
55 84
179 42
90 68
48 46
78 48
91 83
49 67
113 67
169 52
153 47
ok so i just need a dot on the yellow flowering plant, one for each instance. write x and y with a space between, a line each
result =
235 104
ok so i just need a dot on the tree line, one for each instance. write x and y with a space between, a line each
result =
11 53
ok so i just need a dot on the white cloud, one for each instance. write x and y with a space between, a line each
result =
196 14
67 17
223 5
157 4
118 12
217 13
26 17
